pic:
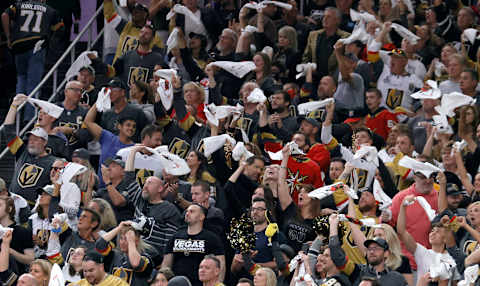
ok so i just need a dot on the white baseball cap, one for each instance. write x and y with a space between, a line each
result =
39 132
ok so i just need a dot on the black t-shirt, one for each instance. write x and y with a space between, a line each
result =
404 268
297 232
189 250
21 240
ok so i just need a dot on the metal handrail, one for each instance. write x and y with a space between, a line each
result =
53 71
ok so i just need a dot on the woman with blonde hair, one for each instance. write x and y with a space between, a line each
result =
395 261
40 269
194 96
287 53
131 254
264 276
102 207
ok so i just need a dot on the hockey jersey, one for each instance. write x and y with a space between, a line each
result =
31 21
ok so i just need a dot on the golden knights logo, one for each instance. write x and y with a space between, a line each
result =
360 177
245 124
316 114
71 139
130 43
137 73
179 147
294 180
142 175
29 175
123 273
394 98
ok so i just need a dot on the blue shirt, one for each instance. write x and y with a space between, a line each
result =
110 144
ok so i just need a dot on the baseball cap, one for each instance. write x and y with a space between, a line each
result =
81 153
47 189
116 160
39 132
116 83
93 255
355 115
398 53
179 281
310 120
88 68
140 6
380 241
193 34
453 189
288 250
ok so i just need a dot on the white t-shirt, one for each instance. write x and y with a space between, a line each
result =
427 258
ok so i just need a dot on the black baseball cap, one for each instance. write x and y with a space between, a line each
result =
81 153
140 6
93 255
380 241
454 184
116 83
193 35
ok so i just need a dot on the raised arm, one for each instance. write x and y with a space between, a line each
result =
442 193
283 193
89 122
339 54
12 112
403 234
462 171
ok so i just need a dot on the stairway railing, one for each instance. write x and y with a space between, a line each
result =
54 72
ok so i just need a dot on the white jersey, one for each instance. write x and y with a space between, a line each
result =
396 89
40 229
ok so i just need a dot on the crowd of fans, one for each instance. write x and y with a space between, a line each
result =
239 143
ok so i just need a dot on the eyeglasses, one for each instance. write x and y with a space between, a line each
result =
76 89
374 249
258 209
57 168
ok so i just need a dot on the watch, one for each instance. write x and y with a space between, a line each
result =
109 184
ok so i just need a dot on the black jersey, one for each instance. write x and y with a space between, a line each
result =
31 172
31 21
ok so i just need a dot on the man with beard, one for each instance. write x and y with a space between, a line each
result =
333 276
33 163
281 123
137 64
366 209
163 218
129 32
377 252
94 272
187 248
264 253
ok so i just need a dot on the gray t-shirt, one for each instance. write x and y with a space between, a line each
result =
350 94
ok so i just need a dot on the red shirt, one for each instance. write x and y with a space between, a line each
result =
302 170
319 153
381 121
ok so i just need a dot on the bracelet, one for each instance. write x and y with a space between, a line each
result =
283 167
14 106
